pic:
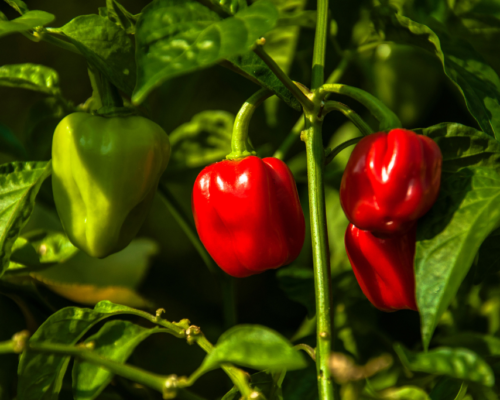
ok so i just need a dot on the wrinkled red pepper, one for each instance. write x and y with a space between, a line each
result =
390 181
384 267
248 214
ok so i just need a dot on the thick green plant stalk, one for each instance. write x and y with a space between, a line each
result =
315 169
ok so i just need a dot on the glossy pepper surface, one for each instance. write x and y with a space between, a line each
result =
384 267
105 174
248 214
390 181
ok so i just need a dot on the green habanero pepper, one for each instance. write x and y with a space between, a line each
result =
105 175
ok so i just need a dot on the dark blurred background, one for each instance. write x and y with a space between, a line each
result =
408 80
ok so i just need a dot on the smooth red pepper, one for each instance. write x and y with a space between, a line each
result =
248 214
390 181
384 267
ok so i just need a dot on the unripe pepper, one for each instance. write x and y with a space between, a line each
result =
384 267
248 214
390 181
105 175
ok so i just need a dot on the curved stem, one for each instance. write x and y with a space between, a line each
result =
363 127
340 147
385 116
318 64
240 143
294 134
321 259
308 349
283 77
138 375
184 222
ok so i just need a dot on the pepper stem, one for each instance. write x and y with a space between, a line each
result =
240 142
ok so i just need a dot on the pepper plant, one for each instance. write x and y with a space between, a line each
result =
182 168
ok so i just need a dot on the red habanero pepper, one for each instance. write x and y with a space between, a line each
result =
248 214
390 181
384 267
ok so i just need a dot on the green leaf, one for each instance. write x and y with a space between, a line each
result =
480 27
116 341
26 22
403 393
251 66
264 382
202 141
337 225
41 375
88 280
38 248
51 246
120 16
175 37
19 185
281 43
256 347
30 76
230 7
456 363
449 236
18 5
10 144
105 46
484 345
446 389
463 146
476 80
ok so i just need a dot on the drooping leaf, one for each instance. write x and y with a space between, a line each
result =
456 363
41 375
175 37
19 185
26 22
253 68
203 140
254 346
105 46
449 236
476 80
116 341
